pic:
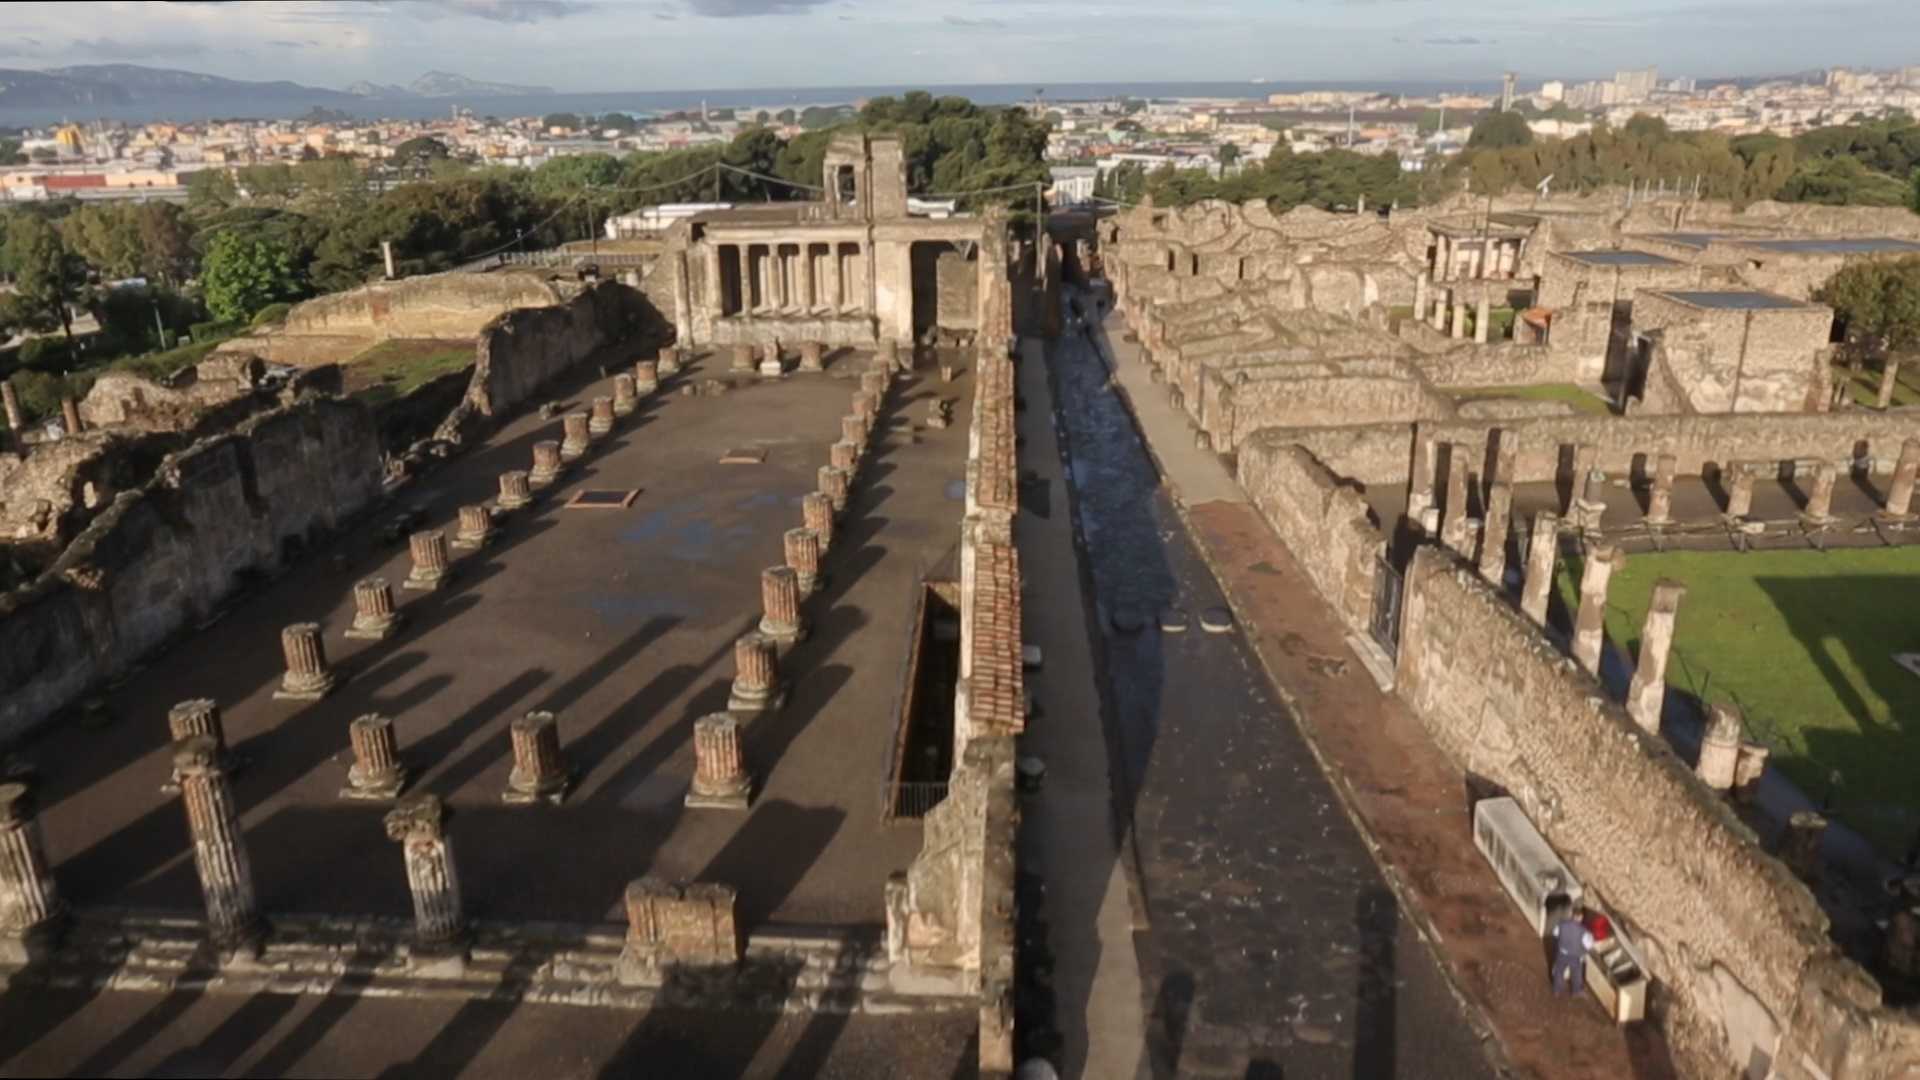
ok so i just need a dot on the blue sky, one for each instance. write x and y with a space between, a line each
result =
583 45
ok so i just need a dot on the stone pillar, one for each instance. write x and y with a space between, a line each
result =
1459 329
834 485
376 772
419 825
816 511
432 565
1900 489
626 397
1889 378
743 256
1660 495
1748 767
803 279
1441 300
780 605
843 455
1482 318
1420 286
874 384
1485 267
1648 690
1800 846
475 528
863 408
742 360
756 675
1420 479
600 422
1720 747
547 463
1593 502
720 779
70 416
888 358
666 362
1589 628
576 436
30 907
515 489
1456 530
1493 533
1819 509
1443 257
1739 490
219 848
198 716
813 356
854 430
646 376
1542 549
374 617
803 557
771 365
307 678
1584 458
539 772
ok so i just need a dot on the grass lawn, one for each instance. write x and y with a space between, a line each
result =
163 365
1866 386
393 369
1803 643
1581 400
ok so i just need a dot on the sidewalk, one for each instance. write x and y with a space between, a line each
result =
1408 801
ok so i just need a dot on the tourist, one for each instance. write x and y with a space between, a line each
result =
1571 940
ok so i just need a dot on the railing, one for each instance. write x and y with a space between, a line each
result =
915 799
560 260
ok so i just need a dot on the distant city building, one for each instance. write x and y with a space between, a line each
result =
1506 92
1072 184
1635 85
1553 90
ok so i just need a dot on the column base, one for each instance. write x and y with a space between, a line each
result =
637 970
772 369
471 542
624 408
382 789
539 479
553 792
811 583
1885 518
370 631
728 798
1817 521
240 949
307 691
574 453
419 582
436 959
784 633
751 703
601 429
33 947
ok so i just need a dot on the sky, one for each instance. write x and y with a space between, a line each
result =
593 45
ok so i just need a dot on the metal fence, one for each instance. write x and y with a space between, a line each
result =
556 259
915 799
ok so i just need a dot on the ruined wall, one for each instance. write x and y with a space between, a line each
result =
165 555
1564 276
1770 360
1727 931
1324 523
1234 406
1499 364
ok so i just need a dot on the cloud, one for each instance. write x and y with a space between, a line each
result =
504 11
974 24
1463 40
743 9
144 49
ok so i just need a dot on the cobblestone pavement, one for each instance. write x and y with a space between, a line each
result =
1273 946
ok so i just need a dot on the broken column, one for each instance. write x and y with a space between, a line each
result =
1748 767
1648 690
1459 329
1420 286
576 436
626 397
419 825
834 484
1593 503
1889 380
854 431
646 376
1590 626
600 421
742 359
539 772
756 675
843 455
376 772
374 616
1482 318
432 565
1800 845
16 422
1819 509
1720 747
1441 300
1739 490
1420 480
30 907
547 463
813 356
1584 458
874 384
475 528
780 604
720 779
803 556
1900 489
864 411
516 491
307 677
70 416
771 365
1493 529
668 361
816 512
888 357
1456 529
687 925
219 848
1542 549
1660 495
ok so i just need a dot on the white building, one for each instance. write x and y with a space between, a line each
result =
1072 184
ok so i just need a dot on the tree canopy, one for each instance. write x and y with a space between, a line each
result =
245 273
1877 305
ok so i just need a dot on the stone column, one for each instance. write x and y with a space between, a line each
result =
1739 490
816 511
803 279
1486 259
1900 489
780 605
803 557
475 528
720 779
1648 690
1660 495
600 421
1800 846
1889 378
843 455
576 436
377 771
626 397
307 678
16 422
756 675
539 772
666 362
1456 529
1748 767
833 484
1720 747
1420 287
1593 503
813 356
1584 458
1542 549
742 362
1589 628
1420 479
854 430
1459 329
198 716
374 617
1493 533
863 409
432 565
1482 318
70 416
835 303
646 376
1443 257
888 358
419 825
874 384
515 489
547 463
219 848
30 907
1441 300
1819 509
771 366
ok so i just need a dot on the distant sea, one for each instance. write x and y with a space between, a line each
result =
647 102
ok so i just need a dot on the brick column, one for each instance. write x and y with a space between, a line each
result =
742 359
576 436
1589 628
720 779
547 463
646 376
516 491
780 605
219 848
668 361
803 557
756 675
475 528
844 456
834 485
1889 378
432 565
1493 533
1542 549
816 512
374 617
539 772
1660 495
1739 490
1482 318
419 825
307 677
1900 489
813 356
377 771
600 420
626 396
1648 690
1819 509
30 907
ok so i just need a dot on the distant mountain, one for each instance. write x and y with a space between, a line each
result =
378 90
166 91
445 84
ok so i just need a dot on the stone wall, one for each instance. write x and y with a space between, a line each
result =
1736 945
164 556
1736 360
1503 364
1234 405
1323 522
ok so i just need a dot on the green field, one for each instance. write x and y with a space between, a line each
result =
1865 386
393 369
1803 642
1581 400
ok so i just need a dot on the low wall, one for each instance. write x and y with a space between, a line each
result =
452 305
165 555
1745 972
1236 404
1505 364
1363 453
1324 523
